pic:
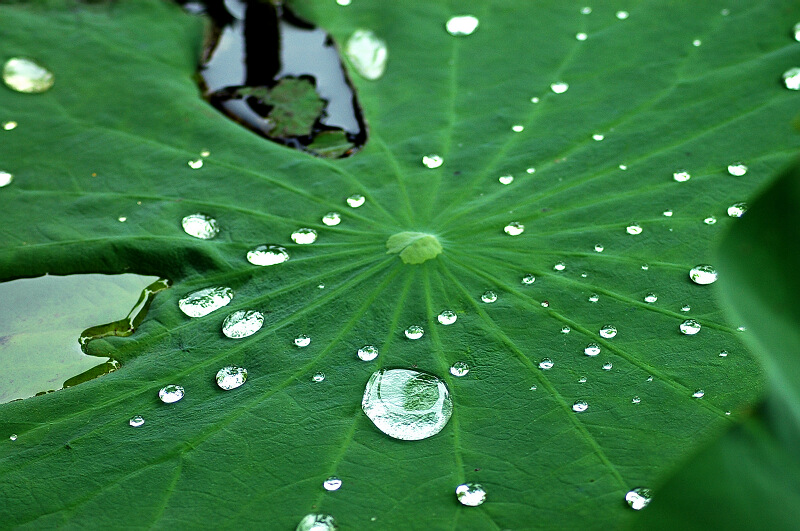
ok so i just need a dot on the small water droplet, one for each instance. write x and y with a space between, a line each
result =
741 329
13 436
559 87
598 248
622 15
518 128
407 405
565 330
514 228
489 296
136 421
26 75
321 286
171 393
737 210
581 36
318 522
645 267
580 406
608 331
796 32
414 332
633 229
318 377
791 78
267 255
592 349
528 279
689 327
667 213
582 379
356 200
367 353
594 297
205 153
531 170
231 377
710 220
302 341
304 236
5 178
638 498
447 317
681 176
686 308
462 25
560 266
703 274
737 170
202 302
623 167
597 137
195 164
607 366
10 125
650 297
546 364
699 394
723 353
471 494
331 219
432 161
545 304
649 379
122 219
367 53
506 179
332 483
242 323
635 400
533 388
200 226
534 100
459 369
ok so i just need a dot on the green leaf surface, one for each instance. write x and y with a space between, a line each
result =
114 135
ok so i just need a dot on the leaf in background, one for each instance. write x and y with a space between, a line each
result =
596 211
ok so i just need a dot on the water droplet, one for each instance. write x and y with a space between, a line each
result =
171 393
367 53
356 200
623 167
26 75
545 304
689 327
5 178
344 2
267 255
318 377
699 394
200 226
317 522
741 328
13 436
796 31
122 219
406 404
649 378
581 36
725 12
565 330
737 210
635 400
559 87
622 15
136 421
681 176
414 332
594 297
723 353
10 125
597 137
332 483
195 164
592 349
461 25
528 279
447 317
531 171
580 406
737 170
533 388
638 498
645 267
321 286
304 236
710 220
489 296
432 161
471 494
231 377
560 266
331 219
608 331
205 301
686 308
517 128
534 100
703 274
506 179
302 341
459 369
633 229
514 228
650 297
607 366
205 153
242 323
582 379
546 364
367 353
791 78
667 213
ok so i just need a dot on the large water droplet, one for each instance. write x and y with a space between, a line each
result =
608 331
26 75
367 353
367 53
681 176
461 25
304 236
580 406
432 161
332 219
546 364
242 323
592 349
515 228
633 229
489 296
703 274
200 226
638 498
136 421
231 377
302 341
689 327
414 332
471 494
406 404
528 279
332 483
205 301
171 393
791 78
737 170
356 200
317 522
559 87
447 317
650 297
459 369
267 255
5 178
737 210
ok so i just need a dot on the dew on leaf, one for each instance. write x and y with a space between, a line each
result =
737 210
667 213
489 296
432 161
623 167
689 327
205 301
506 179
597 137
635 400
318 377
586 10
200 226
367 53
737 170
122 219
545 304
367 353
470 494
332 483
462 25
607 366
592 349
195 164
231 377
699 394
622 15
414 332
331 219
517 128
344 3
242 323
13 437
356 200
559 87
26 75
406 404
304 236
459 369
710 220
447 317
205 153
170 393
302 341
560 266
136 421
534 100
10 125
598 248
681 176
796 32
650 297
608 331
791 78
546 364
638 498
5 178
580 406
528 279
703 274
723 353
530 171
317 522
686 308
581 36
645 267
582 379
532 388
514 228
594 297
267 255
565 330
633 229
